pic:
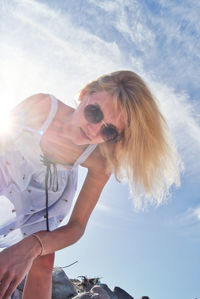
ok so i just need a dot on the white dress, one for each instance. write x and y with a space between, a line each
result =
22 181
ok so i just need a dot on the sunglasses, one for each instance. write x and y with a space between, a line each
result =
93 114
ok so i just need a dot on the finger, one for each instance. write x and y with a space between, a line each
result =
5 282
10 290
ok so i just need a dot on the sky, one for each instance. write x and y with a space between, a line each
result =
58 46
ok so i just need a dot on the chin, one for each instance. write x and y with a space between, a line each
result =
81 141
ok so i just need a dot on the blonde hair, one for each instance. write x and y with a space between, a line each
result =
146 156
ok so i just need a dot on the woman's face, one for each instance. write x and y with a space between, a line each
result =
84 131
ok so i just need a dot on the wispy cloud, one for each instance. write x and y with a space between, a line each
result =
189 218
54 51
196 213
163 34
59 56
103 208
45 49
115 213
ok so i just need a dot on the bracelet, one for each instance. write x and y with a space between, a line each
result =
39 240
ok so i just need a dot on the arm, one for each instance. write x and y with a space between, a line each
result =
29 113
72 232
16 261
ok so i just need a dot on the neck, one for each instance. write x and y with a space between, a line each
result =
63 121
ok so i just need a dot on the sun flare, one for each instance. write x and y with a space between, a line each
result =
5 122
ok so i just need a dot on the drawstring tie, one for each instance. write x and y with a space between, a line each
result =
51 181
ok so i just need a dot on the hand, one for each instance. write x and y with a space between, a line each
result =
15 263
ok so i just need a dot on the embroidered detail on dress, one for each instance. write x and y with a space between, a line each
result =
64 199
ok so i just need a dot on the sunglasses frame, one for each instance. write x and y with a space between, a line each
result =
89 114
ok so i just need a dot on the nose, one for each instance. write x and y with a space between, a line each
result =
94 129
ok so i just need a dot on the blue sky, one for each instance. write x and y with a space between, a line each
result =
58 46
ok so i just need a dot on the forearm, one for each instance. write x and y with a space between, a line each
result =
60 238
72 232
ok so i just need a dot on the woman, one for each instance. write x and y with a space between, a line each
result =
118 128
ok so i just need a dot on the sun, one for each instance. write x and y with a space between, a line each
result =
5 123
11 124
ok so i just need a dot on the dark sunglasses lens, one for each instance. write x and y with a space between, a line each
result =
110 134
93 114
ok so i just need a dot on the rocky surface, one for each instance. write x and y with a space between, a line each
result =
83 288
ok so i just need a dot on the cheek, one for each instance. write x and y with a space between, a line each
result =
79 118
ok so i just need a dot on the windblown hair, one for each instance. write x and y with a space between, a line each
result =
146 156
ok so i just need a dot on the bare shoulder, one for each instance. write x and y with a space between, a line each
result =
33 101
35 109
97 165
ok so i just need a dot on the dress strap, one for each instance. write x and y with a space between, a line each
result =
85 154
52 113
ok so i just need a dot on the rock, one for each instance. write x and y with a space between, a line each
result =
62 286
96 292
17 295
88 288
109 292
86 295
100 291
18 292
121 294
